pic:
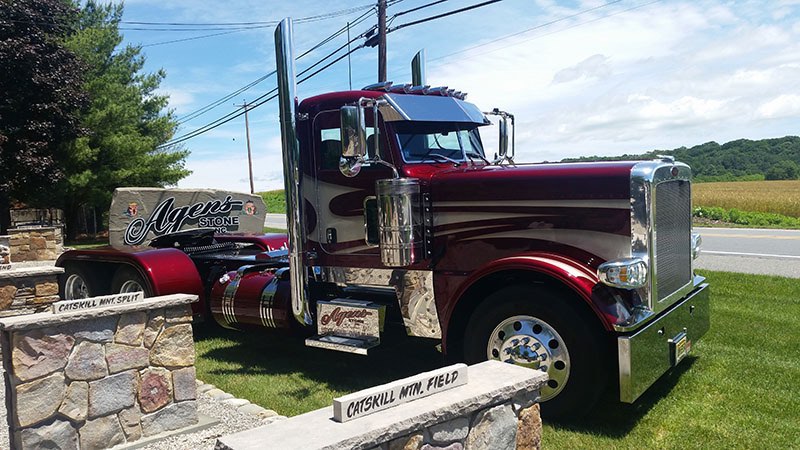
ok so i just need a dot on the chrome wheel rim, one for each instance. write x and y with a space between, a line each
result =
531 342
130 286
75 288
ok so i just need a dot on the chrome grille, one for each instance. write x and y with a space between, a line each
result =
672 210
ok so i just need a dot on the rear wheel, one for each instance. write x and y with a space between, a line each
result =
127 280
76 283
537 328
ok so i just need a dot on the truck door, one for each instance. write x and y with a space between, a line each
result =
339 200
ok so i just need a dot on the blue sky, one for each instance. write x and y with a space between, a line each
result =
582 77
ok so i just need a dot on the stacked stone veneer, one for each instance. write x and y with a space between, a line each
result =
98 378
495 410
5 249
36 243
26 289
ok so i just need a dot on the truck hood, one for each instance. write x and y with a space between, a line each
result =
556 182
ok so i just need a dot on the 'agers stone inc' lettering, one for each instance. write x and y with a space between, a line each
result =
166 218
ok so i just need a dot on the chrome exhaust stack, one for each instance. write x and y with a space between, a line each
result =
418 75
292 177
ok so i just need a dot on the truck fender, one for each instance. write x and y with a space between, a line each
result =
572 274
166 270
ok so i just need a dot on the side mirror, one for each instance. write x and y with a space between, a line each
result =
502 139
354 140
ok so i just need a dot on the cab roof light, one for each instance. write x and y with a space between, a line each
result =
401 89
441 91
381 86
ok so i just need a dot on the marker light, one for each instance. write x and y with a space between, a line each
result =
697 243
625 273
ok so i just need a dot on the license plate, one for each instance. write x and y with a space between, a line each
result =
680 346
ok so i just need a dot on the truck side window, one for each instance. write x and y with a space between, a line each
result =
330 147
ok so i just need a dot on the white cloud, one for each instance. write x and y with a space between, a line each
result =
781 106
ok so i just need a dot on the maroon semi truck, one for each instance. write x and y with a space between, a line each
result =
398 215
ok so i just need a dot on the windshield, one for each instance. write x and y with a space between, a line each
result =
425 142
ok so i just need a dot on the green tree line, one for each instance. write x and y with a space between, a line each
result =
78 115
739 160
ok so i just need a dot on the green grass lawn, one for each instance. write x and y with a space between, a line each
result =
739 389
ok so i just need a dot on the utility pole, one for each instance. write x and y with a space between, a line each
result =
381 40
249 154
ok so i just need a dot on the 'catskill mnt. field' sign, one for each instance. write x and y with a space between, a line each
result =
378 398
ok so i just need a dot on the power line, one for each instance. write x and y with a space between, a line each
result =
199 112
439 16
263 98
228 97
401 13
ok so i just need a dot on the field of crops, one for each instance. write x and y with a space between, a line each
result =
780 197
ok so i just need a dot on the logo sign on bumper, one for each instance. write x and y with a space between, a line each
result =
349 318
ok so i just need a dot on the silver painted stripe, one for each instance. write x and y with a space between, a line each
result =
607 204
605 245
448 218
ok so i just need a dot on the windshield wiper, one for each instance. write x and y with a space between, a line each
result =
471 154
455 163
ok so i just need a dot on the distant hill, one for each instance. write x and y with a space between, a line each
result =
743 159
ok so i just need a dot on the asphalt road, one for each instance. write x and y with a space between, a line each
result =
748 250
275 221
743 250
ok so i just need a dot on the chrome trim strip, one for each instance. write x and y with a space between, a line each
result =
292 177
414 290
267 300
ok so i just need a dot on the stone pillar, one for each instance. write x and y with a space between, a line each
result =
27 289
97 378
36 243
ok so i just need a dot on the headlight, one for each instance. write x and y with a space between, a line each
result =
625 273
697 242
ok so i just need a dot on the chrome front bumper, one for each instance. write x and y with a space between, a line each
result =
648 353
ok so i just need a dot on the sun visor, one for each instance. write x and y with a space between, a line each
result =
140 214
430 108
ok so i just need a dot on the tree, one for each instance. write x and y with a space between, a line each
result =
784 170
126 119
40 95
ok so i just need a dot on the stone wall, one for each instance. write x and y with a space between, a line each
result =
495 410
5 249
36 243
98 378
27 289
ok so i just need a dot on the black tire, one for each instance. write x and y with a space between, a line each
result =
127 279
543 315
76 283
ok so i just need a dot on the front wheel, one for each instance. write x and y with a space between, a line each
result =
537 328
